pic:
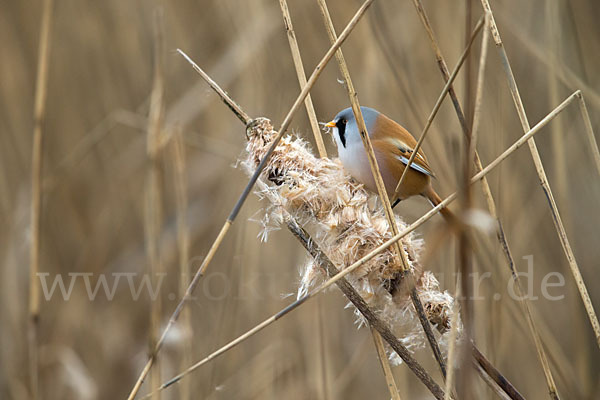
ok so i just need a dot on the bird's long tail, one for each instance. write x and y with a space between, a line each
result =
435 199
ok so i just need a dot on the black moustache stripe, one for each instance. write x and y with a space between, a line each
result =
341 125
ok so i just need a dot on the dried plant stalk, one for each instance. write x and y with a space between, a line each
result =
39 113
541 172
183 247
320 194
299 65
353 98
153 195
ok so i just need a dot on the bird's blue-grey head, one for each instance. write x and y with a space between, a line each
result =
347 129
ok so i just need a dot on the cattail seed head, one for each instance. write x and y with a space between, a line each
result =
322 196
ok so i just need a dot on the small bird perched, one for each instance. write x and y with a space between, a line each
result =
393 145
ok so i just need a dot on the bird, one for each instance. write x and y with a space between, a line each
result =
393 146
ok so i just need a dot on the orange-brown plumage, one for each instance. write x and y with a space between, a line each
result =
391 142
393 146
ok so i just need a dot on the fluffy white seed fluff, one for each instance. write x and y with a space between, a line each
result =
335 209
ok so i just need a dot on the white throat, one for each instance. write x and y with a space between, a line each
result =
353 156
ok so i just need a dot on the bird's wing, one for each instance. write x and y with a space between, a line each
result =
403 152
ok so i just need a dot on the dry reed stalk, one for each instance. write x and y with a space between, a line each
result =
526 308
462 120
468 92
310 109
440 99
589 132
314 124
482 363
237 57
465 250
353 97
556 218
489 198
523 139
452 343
385 364
496 389
183 246
553 34
39 114
322 345
153 194
244 195
479 91
565 74
557 356
463 244
381 191
389 377
233 106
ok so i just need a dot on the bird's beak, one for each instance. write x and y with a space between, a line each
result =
330 124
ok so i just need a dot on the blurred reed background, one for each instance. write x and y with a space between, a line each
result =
111 202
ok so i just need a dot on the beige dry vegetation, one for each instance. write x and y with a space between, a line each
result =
126 183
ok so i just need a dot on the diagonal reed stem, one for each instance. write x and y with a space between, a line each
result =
381 191
236 209
556 218
310 109
439 101
353 97
482 362
486 189
297 58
